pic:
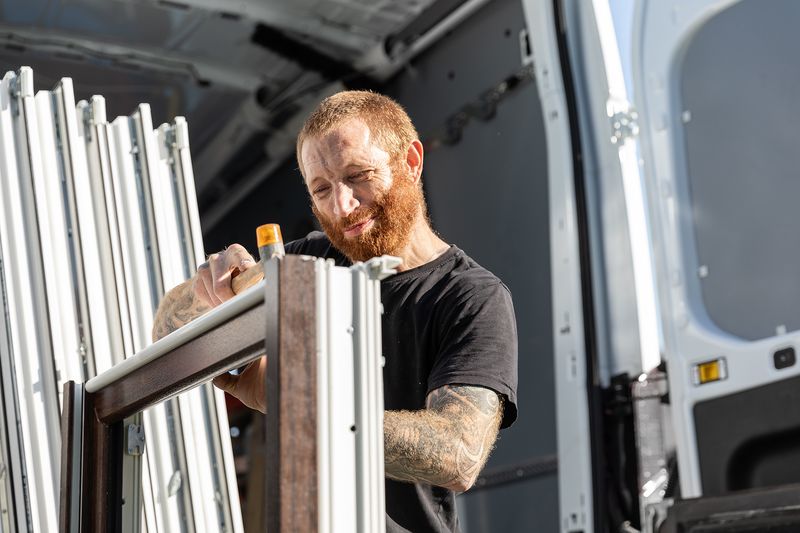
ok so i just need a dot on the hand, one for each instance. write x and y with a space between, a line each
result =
249 387
212 284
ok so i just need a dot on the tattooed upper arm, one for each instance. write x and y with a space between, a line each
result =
466 400
447 443
477 413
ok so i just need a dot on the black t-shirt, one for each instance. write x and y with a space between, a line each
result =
449 321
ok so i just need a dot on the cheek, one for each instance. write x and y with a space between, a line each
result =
319 208
370 194
363 199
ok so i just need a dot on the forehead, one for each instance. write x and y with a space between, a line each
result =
349 143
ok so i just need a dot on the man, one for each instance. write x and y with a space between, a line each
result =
449 333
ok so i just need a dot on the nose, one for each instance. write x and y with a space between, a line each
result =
344 201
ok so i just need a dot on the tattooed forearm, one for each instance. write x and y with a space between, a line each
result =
446 444
179 307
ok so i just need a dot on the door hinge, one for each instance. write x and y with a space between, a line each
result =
624 126
135 439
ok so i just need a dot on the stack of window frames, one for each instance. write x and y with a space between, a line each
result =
97 220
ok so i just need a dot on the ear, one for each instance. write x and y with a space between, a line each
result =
414 158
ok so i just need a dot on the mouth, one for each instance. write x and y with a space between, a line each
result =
358 229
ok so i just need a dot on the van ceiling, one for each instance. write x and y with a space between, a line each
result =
243 72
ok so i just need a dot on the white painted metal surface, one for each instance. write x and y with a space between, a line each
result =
17 339
572 418
350 396
368 351
663 31
55 242
335 371
110 281
638 225
30 327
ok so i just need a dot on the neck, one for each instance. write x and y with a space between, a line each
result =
423 246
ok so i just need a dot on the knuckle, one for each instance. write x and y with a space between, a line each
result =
217 269
238 254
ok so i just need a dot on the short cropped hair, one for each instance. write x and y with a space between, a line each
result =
388 122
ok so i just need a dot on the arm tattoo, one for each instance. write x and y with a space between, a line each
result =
447 443
178 307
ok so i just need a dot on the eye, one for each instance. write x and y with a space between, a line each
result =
359 176
321 191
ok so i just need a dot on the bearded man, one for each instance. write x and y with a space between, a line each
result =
449 332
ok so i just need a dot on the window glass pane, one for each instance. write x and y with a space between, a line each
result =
739 86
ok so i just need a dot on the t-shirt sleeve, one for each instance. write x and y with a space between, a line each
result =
478 345
313 242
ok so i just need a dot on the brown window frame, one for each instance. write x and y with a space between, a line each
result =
284 325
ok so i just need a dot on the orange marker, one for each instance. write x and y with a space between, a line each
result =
270 242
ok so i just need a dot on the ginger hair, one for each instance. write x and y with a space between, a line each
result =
387 121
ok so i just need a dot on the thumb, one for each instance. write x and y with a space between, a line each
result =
241 267
226 382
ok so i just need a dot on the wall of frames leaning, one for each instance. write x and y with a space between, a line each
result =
97 219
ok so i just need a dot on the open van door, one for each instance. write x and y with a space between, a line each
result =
715 87
604 315
675 257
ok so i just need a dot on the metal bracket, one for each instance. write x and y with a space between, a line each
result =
169 138
86 118
648 393
14 90
94 114
135 439
655 514
167 146
175 482
181 131
624 126
21 87
382 267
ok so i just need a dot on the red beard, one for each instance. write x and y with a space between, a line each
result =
395 213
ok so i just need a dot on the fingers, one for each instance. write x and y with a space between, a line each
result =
233 259
239 258
236 258
203 286
220 277
249 387
256 376
226 382
212 284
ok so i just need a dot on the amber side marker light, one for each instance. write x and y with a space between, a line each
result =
710 371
